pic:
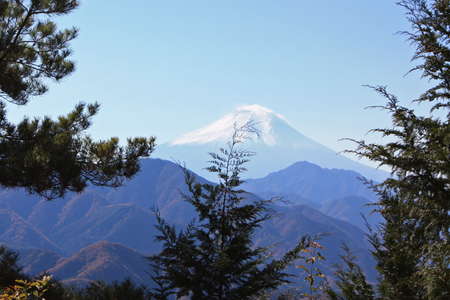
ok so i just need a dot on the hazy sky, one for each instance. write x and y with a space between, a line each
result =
166 67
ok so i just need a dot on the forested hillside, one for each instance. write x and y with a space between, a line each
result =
84 216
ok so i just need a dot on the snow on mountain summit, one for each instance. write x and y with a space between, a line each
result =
277 145
267 122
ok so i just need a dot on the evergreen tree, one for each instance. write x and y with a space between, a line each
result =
214 257
114 291
51 157
398 249
412 247
10 271
351 280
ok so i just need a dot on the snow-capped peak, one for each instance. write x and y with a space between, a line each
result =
261 117
257 110
277 145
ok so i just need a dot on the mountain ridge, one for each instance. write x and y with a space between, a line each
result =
103 261
123 216
337 193
275 138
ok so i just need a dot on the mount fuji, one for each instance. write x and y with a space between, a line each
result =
277 145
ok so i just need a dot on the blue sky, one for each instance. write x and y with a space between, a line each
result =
166 67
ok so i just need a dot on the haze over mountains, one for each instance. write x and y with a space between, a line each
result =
104 234
337 193
277 146
81 237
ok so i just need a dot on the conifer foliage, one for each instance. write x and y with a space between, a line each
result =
45 156
412 246
214 257
351 280
10 271
32 48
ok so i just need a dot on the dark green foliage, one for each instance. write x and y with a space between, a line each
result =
10 272
419 157
58 291
397 250
9 269
351 280
412 246
214 257
430 35
115 291
32 48
163 289
51 157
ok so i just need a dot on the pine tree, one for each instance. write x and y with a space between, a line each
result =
51 157
412 247
214 257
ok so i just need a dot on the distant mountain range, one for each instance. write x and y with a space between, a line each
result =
309 181
277 145
103 261
18 233
96 234
337 193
